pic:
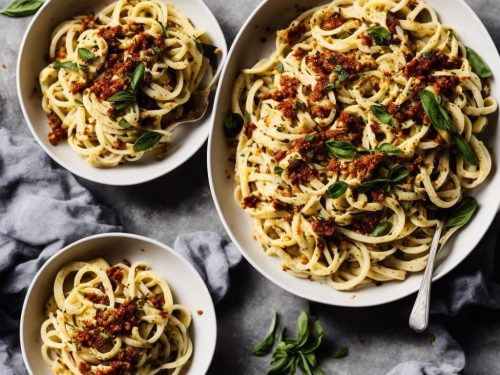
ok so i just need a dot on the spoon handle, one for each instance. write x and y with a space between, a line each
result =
419 317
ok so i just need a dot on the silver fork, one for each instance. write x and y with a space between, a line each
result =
419 317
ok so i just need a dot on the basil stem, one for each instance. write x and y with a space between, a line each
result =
380 34
382 229
22 8
462 213
478 64
85 54
265 346
336 190
233 125
147 140
380 112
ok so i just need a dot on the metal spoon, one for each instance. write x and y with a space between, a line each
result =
419 317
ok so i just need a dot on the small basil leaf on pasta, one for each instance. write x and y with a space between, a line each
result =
137 77
341 353
464 150
121 96
233 125
65 65
382 229
147 140
406 205
22 8
278 170
265 346
440 119
381 113
78 102
208 51
124 124
462 213
398 174
341 150
387 148
248 117
337 190
280 67
367 185
85 54
380 34
428 54
478 64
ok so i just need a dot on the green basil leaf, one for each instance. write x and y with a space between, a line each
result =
367 185
302 329
22 8
317 371
78 102
341 78
464 150
341 353
440 119
380 112
462 213
406 205
156 50
380 34
65 65
337 190
478 64
137 77
85 54
233 125
119 106
338 68
265 346
398 174
278 366
208 51
147 140
280 67
428 54
278 170
387 148
122 96
341 150
248 117
300 105
382 229
320 333
124 124
329 87
304 365
309 137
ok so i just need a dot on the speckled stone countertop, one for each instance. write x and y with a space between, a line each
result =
378 338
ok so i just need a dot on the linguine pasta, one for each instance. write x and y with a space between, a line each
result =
114 320
119 77
361 131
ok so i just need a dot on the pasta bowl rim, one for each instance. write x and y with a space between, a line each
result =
203 355
192 136
237 222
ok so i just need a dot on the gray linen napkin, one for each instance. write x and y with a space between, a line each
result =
42 209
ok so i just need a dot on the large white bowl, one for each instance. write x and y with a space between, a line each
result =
247 49
186 140
187 287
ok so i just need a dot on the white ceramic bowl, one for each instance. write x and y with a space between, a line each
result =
186 140
187 287
246 50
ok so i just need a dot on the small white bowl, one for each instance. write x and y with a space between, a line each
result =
186 139
255 41
187 287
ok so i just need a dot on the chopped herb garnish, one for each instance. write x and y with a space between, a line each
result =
382 229
85 54
384 117
337 190
381 35
278 170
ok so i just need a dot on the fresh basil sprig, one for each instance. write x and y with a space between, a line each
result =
207 50
138 77
265 346
233 125
86 55
66 65
382 229
341 149
478 64
441 120
380 34
462 213
125 98
337 190
381 113
22 8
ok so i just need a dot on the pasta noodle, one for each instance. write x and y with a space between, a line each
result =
114 320
121 77
360 132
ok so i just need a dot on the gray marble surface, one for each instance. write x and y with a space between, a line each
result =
378 338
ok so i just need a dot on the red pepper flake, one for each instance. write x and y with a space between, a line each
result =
199 312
